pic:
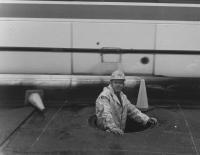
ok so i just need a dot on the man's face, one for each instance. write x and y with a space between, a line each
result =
117 85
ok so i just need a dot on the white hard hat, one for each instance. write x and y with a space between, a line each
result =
117 75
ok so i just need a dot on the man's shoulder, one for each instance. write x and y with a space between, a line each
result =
106 92
104 95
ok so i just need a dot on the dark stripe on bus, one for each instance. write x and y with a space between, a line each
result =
115 12
138 1
103 51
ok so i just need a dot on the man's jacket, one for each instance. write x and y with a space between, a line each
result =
112 114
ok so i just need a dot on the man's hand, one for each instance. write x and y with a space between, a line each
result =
116 131
152 122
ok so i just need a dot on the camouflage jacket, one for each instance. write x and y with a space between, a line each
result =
113 114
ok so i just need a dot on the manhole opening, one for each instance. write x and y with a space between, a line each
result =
93 121
131 126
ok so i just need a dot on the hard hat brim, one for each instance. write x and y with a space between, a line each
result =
117 79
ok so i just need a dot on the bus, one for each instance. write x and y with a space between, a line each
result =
54 39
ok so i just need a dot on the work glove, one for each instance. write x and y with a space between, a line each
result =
151 122
116 131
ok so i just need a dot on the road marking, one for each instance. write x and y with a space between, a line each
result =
190 132
47 125
6 140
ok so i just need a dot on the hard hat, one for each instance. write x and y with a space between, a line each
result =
117 75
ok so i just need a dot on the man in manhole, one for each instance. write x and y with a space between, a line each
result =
113 107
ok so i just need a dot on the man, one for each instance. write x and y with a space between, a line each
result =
113 107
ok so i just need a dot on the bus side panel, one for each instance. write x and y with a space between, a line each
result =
35 34
35 63
88 63
178 37
112 35
138 63
177 65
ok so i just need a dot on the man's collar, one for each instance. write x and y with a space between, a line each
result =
114 95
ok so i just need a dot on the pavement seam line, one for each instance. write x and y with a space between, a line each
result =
46 126
190 132
120 150
20 124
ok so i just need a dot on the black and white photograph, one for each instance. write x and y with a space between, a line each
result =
99 77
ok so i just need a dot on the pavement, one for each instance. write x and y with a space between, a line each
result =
10 119
65 128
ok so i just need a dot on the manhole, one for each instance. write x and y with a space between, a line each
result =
93 121
131 126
